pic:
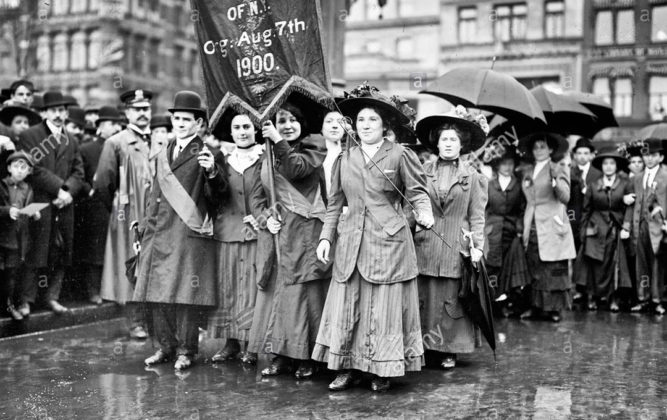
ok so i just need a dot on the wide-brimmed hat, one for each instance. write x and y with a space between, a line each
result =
161 121
365 96
583 142
136 98
53 98
21 154
76 116
107 113
621 161
188 101
505 152
557 143
460 118
8 113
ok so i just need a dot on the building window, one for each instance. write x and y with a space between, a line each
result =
601 88
178 63
622 97
510 22
44 54
405 47
554 19
60 53
139 54
154 66
94 50
407 8
657 89
659 24
373 46
467 24
60 7
78 56
615 27
78 6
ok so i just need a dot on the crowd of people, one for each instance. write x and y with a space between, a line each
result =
324 238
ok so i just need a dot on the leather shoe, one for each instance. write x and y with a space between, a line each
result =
614 306
183 362
305 370
638 307
249 358
527 314
57 308
554 316
227 353
342 382
159 357
279 365
95 299
449 362
24 309
379 384
659 309
16 315
138 333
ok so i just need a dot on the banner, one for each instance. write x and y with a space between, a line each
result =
255 53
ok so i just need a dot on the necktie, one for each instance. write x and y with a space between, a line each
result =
177 151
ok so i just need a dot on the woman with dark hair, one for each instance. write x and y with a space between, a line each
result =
602 266
371 316
235 232
289 307
547 234
505 258
458 196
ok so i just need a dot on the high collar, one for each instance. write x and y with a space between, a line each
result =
139 131
52 127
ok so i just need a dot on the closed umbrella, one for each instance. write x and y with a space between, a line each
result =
488 90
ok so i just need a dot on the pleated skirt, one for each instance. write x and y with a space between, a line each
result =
237 291
287 318
445 326
371 327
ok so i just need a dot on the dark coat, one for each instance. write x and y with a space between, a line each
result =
58 165
92 216
578 188
602 210
177 265
647 199
14 233
462 207
374 235
504 218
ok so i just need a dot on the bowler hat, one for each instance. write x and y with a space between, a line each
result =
8 113
366 96
71 100
76 116
136 98
21 154
53 98
652 145
621 161
188 101
583 142
37 102
107 113
161 121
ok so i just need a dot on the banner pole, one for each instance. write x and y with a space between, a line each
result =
272 195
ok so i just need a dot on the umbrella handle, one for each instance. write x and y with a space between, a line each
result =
468 234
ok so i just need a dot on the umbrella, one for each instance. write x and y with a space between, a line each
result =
599 107
488 90
653 131
475 297
564 114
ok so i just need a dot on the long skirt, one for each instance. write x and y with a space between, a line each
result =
371 327
237 291
513 273
287 317
446 327
550 279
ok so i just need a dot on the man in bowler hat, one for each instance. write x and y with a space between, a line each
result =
176 270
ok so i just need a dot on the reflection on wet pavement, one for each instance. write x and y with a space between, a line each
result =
591 365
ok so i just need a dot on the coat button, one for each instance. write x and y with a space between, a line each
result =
158 200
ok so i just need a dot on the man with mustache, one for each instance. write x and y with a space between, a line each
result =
122 181
57 178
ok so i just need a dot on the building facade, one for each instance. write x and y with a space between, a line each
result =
625 58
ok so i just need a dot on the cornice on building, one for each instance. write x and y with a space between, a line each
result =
399 23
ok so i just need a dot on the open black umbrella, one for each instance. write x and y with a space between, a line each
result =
564 114
602 110
488 90
475 297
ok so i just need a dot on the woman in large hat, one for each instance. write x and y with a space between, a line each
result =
371 316
505 258
235 231
289 307
547 234
458 195
601 265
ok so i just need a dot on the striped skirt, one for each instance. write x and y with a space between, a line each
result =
237 291
371 327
